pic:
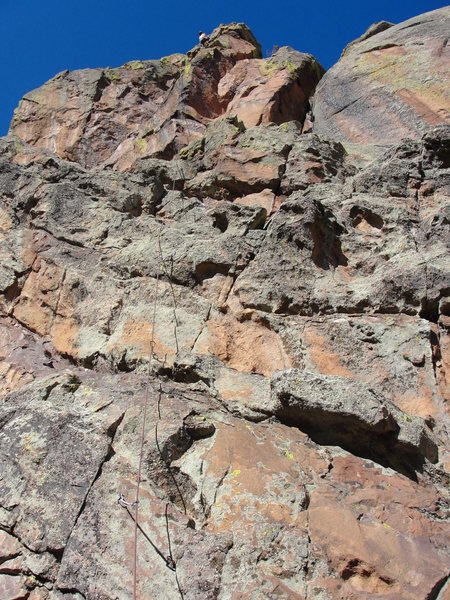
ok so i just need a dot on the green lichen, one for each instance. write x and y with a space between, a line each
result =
268 67
187 69
239 128
195 148
235 473
141 145
404 73
27 442
136 65
112 74
291 67
259 220
73 383
288 454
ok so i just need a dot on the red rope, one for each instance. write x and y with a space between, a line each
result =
141 454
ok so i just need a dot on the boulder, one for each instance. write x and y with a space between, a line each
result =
337 411
388 85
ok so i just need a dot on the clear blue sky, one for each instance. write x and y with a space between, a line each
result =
39 38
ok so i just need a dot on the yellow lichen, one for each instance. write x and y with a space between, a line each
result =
86 390
398 71
141 145
268 67
112 74
290 66
136 65
235 473
27 442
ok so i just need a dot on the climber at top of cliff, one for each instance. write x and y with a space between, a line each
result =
202 38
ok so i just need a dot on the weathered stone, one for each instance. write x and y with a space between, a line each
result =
372 30
273 90
337 241
59 448
389 85
23 357
314 161
12 588
295 286
336 410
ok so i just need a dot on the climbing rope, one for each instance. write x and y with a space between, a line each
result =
141 452
170 563
169 560
170 557
169 279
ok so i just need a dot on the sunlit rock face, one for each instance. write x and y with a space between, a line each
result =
390 84
289 230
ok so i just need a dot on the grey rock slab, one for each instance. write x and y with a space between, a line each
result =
53 443
336 410
378 248
98 559
243 394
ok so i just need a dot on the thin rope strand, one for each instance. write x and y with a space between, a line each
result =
141 454
170 551
169 279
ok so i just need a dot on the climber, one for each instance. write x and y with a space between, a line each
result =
202 38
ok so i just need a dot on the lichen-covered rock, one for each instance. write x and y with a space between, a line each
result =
388 85
296 265
337 411
167 102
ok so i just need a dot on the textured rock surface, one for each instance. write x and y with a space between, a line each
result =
297 432
391 83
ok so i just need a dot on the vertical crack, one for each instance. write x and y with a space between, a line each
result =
435 593
208 314
435 350
110 453
60 286
307 560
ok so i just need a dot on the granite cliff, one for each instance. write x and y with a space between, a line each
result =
291 228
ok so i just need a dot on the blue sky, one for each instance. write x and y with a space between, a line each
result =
40 38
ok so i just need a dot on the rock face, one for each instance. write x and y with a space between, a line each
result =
293 245
391 83
113 117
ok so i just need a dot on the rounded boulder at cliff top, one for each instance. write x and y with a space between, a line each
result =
391 85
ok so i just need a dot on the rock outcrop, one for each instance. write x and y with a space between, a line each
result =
390 84
294 245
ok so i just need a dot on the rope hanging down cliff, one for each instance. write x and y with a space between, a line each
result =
170 563
144 417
